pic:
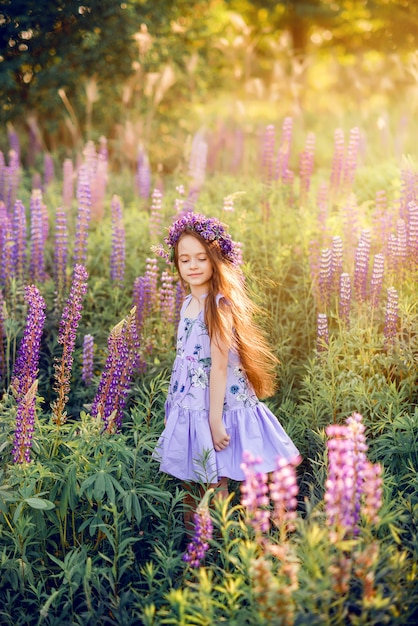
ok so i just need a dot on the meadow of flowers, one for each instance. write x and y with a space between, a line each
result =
90 531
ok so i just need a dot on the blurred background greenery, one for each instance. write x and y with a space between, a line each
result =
151 72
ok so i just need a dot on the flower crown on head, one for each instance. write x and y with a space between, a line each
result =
209 228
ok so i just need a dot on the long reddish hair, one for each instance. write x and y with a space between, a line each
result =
256 358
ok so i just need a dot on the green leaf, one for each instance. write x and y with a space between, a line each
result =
40 503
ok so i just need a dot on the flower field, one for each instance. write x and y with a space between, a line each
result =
90 531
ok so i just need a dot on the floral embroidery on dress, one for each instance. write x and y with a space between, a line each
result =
199 378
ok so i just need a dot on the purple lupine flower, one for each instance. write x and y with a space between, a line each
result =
25 369
325 277
267 161
199 545
68 183
70 319
3 194
155 217
283 493
337 167
118 254
24 425
346 460
19 228
254 494
2 336
122 361
49 170
391 318
98 180
198 159
83 217
351 479
12 179
412 221
361 266
143 175
60 253
306 166
322 340
350 164
345 299
140 295
151 280
7 260
88 350
377 279
167 297
401 246
37 260
283 155
336 261
372 492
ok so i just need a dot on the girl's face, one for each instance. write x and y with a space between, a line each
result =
194 264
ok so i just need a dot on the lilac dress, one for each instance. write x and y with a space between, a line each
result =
185 447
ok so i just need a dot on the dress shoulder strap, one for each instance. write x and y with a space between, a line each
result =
185 304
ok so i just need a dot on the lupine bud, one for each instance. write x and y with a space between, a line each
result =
325 277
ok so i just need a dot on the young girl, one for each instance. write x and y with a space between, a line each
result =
222 366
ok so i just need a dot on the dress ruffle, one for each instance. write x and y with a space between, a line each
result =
185 449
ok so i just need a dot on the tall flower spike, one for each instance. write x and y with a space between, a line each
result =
167 297
306 166
37 260
25 368
2 336
143 175
325 277
19 228
66 337
118 254
377 279
60 256
254 496
155 217
391 319
122 360
361 266
345 299
199 545
322 332
283 493
83 217
337 167
24 378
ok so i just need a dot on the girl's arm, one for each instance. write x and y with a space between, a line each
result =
217 386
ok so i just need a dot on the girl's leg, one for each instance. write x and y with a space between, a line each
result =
221 488
189 504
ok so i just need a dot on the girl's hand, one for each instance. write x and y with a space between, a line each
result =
220 437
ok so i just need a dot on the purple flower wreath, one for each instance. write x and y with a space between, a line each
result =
209 228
